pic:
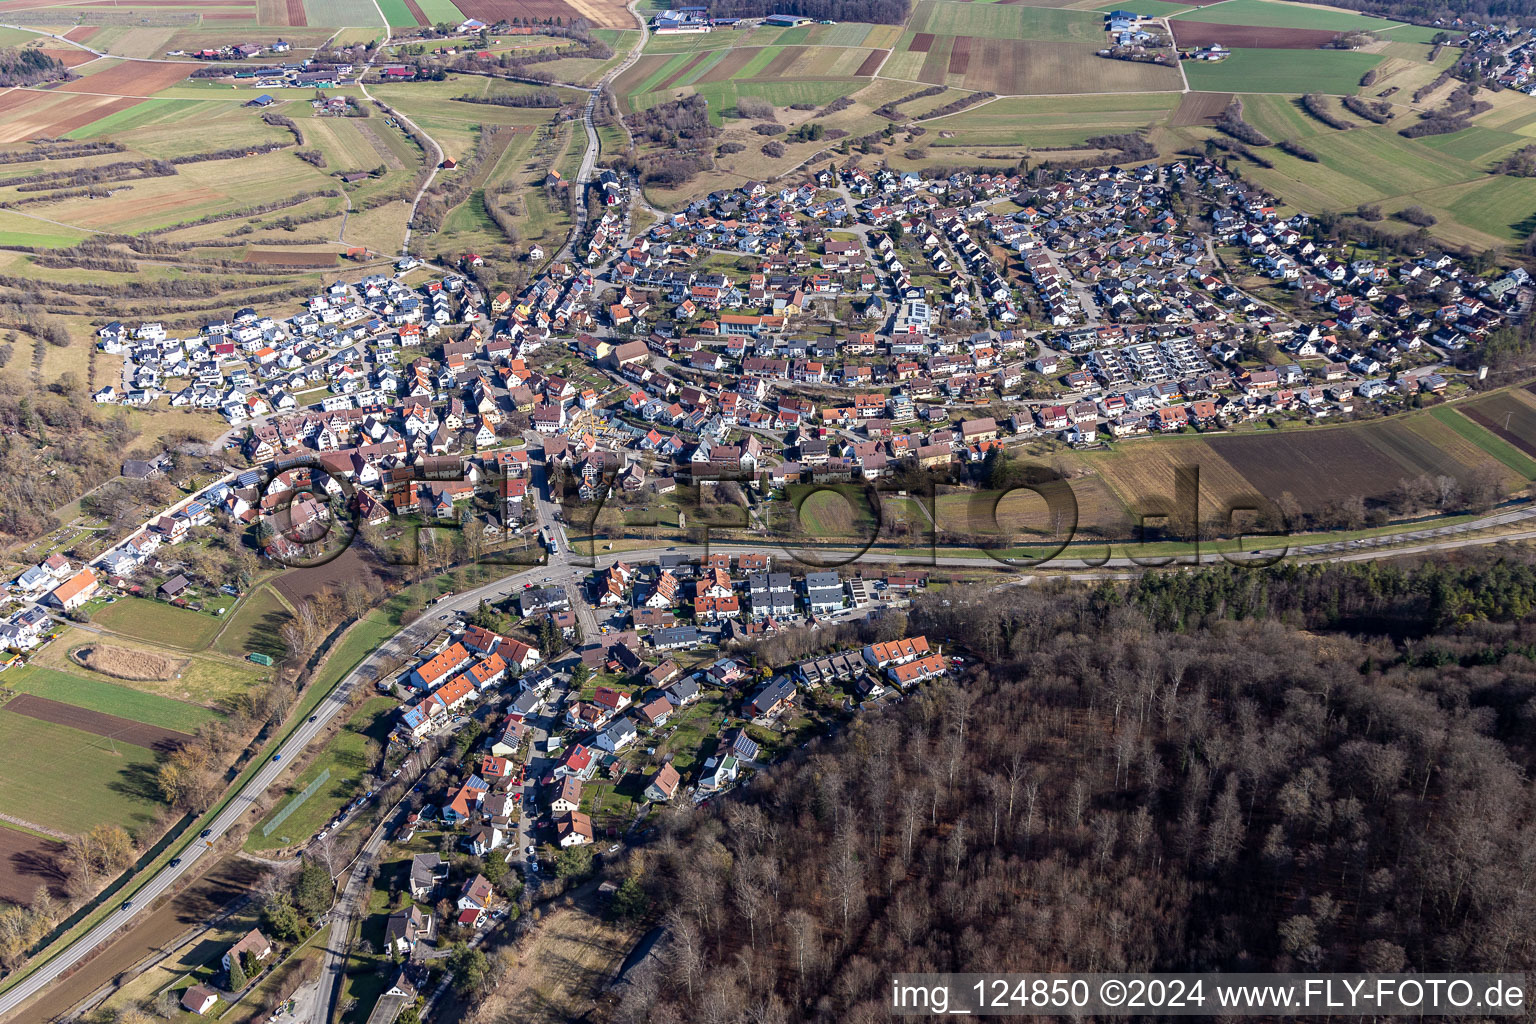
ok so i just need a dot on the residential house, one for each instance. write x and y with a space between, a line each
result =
663 785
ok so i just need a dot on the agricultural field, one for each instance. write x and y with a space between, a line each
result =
120 699
108 781
1273 13
1510 415
1316 466
1065 121
29 861
208 680
1282 71
1000 21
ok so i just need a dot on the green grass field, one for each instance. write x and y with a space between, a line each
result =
162 623
69 780
346 758
342 12
1285 71
1270 14
440 10
108 698
255 626
1066 120
396 13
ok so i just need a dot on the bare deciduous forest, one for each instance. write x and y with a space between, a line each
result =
1304 768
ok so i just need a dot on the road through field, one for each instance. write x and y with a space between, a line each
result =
437 161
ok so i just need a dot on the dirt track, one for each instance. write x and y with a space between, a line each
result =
123 729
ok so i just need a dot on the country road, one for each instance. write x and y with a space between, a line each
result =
437 150
594 144
397 648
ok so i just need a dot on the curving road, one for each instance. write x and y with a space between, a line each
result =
437 161
594 144
396 649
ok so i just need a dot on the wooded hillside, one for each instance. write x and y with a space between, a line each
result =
1297 769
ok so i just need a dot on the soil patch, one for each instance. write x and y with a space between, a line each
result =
729 65
351 566
1205 33
960 56
130 78
688 66
296 15
921 43
781 62
281 258
84 117
1200 108
871 63
1497 428
28 863
125 730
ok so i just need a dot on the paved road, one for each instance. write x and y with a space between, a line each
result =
351 899
561 568
594 145
397 649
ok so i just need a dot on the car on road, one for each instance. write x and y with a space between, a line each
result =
395 774
314 718
127 905
175 862
548 578
205 833
277 757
